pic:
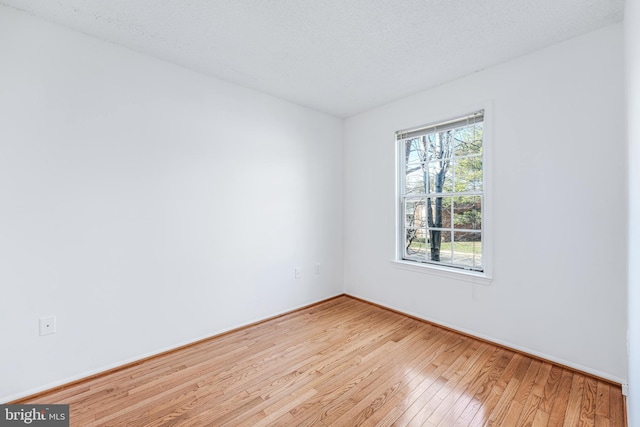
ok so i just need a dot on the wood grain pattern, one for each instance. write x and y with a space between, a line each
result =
342 362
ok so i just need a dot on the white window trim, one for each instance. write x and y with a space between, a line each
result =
443 271
481 278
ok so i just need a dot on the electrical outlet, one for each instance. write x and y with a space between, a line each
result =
298 272
47 325
317 268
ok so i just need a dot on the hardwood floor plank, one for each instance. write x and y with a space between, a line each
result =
559 406
541 419
472 355
572 413
368 397
480 410
529 410
531 407
601 421
526 385
426 390
437 398
491 394
550 389
602 399
616 408
339 396
462 391
541 380
342 362
588 410
502 407
513 413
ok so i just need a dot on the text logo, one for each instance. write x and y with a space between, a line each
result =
34 415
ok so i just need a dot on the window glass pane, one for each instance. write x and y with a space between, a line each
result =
440 246
415 213
468 174
415 244
415 180
440 150
440 176
469 140
441 145
412 151
446 212
467 249
438 211
467 212
415 169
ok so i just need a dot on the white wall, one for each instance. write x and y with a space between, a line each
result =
632 56
147 206
559 202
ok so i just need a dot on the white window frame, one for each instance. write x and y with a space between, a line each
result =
477 277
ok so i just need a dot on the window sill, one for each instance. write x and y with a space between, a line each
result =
467 276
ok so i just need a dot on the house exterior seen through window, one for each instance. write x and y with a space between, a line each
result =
441 193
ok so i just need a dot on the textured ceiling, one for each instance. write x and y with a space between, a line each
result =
338 56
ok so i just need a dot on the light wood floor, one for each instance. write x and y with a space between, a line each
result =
342 362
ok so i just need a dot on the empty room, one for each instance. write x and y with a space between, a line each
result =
331 213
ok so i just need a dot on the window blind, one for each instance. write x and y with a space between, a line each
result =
472 118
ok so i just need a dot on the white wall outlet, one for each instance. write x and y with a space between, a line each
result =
317 268
298 272
47 325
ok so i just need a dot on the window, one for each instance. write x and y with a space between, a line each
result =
441 194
